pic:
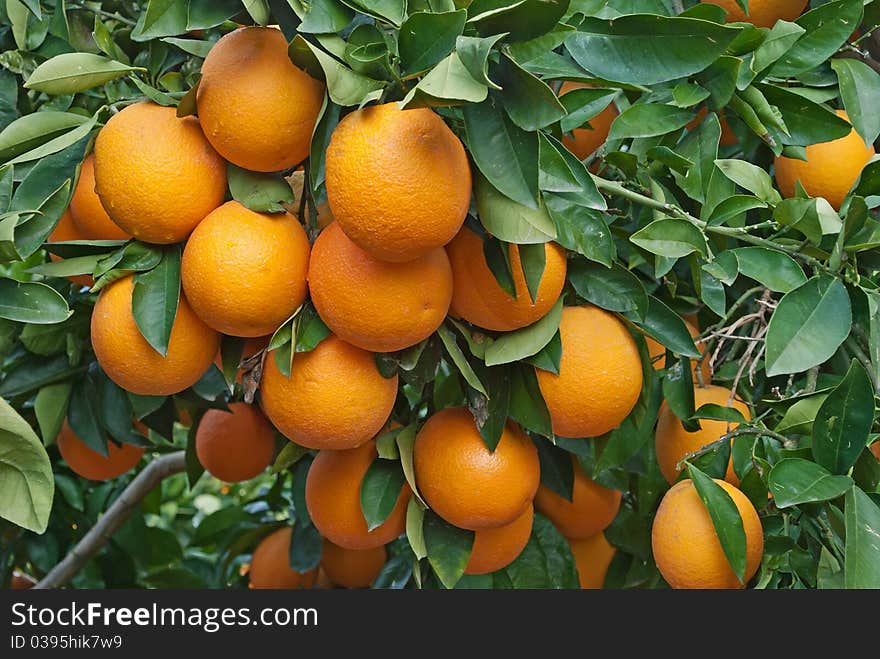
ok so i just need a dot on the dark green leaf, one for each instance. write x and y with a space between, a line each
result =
665 326
32 302
648 120
521 343
380 490
425 38
794 481
614 289
861 568
263 193
448 547
154 300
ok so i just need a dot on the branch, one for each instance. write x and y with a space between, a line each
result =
115 517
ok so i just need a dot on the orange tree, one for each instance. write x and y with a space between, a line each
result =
417 280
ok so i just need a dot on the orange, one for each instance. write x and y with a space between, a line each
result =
657 353
132 363
88 463
377 305
673 442
686 548
335 397
495 549
352 568
762 13
270 564
257 109
21 581
333 497
591 509
584 141
592 556
600 374
85 207
875 449
264 257
398 181
64 231
467 484
156 174
831 168
479 299
237 445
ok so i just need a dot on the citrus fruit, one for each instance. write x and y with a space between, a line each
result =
335 397
237 445
497 548
257 109
875 449
479 299
377 305
830 170
86 210
591 509
156 174
21 581
672 442
762 13
265 255
686 547
600 374
134 364
64 231
270 564
467 484
584 141
352 568
333 498
88 463
592 556
398 181
657 353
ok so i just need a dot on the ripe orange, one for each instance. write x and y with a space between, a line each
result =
352 568
265 255
257 109
600 374
584 141
673 442
90 464
270 564
335 397
333 497
479 299
686 547
875 449
830 170
467 484
592 508
592 556
398 181
66 230
377 305
156 174
657 353
762 13
85 207
237 445
132 363
497 548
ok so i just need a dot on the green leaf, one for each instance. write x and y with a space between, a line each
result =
155 297
521 19
32 130
808 326
798 419
862 515
406 440
648 120
415 519
778 41
258 10
647 49
50 407
344 86
459 359
70 73
204 14
582 230
719 413
860 91
794 481
528 101
527 406
505 154
380 490
474 54
826 29
26 483
509 220
843 422
666 327
32 302
752 178
448 548
726 519
583 104
425 38
448 83
614 288
197 47
557 468
671 237
775 270
678 391
533 259
522 343
158 97
321 16
394 11
807 121
263 193
545 562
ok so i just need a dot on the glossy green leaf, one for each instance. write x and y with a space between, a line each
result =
776 270
648 120
794 481
50 406
521 343
459 359
380 490
509 220
264 193
614 288
582 230
861 567
448 548
154 300
32 302
448 83
665 326
70 73
671 237
425 38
